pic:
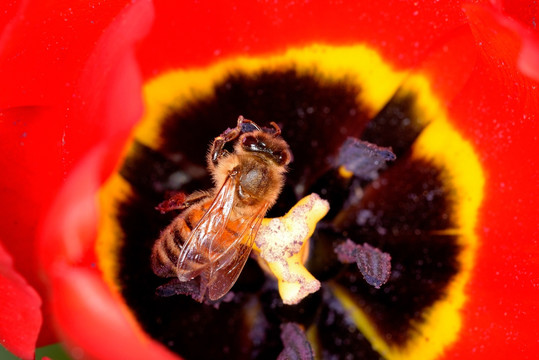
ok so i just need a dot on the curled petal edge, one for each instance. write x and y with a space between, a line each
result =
494 31
86 311
20 310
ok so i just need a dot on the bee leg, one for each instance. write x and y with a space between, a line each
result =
204 279
217 151
177 287
175 202
180 201
219 143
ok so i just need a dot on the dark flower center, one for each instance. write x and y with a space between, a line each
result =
409 209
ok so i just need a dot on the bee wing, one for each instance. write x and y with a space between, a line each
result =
196 252
225 269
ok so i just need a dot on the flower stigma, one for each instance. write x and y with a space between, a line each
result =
283 246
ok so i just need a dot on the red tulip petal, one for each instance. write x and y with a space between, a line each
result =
193 34
497 110
63 35
66 249
528 61
523 11
9 11
85 88
505 38
69 230
450 63
94 323
20 310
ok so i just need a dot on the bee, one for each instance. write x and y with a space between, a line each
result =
214 234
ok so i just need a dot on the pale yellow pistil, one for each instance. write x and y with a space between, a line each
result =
283 245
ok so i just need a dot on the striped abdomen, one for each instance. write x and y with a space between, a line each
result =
167 248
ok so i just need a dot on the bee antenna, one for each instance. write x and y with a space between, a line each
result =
276 128
241 119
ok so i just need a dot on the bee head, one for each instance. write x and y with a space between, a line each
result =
266 144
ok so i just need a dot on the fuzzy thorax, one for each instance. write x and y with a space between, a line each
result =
257 178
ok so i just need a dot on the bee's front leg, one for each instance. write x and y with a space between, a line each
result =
217 148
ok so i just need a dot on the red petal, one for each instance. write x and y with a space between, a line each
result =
94 323
20 310
195 33
84 308
48 46
450 63
528 61
497 110
9 11
523 11
84 88
505 38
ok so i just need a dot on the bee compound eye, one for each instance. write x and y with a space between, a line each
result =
281 157
249 141
285 159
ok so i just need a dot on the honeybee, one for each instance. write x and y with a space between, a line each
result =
214 234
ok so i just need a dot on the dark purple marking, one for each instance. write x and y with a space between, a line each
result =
296 345
374 265
363 158
346 251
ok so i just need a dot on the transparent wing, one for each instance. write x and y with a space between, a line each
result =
196 253
226 268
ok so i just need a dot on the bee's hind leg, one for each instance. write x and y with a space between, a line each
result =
180 201
177 287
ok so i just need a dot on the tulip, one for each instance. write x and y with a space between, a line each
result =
88 147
